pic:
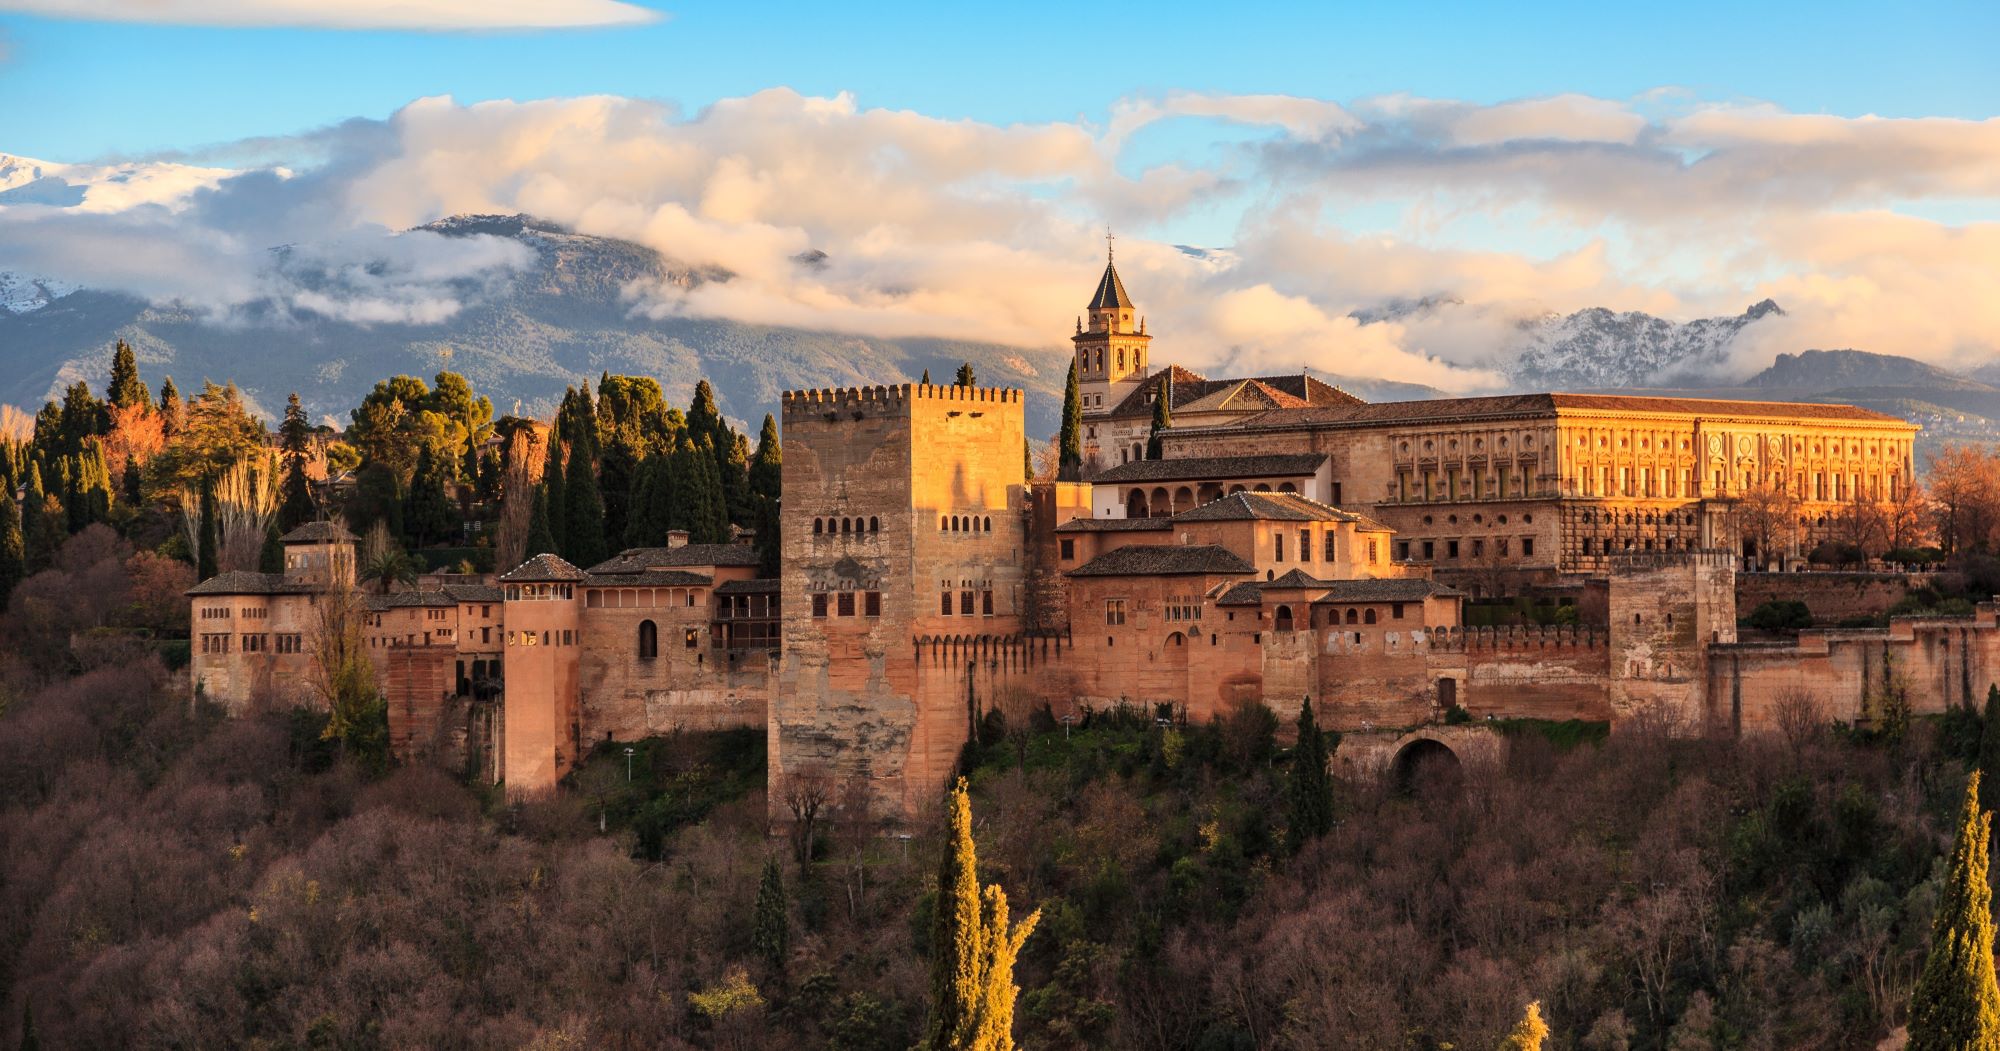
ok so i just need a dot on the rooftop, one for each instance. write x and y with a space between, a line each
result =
543 569
649 578
1389 589
1275 465
316 533
242 582
635 559
1190 391
1512 405
1148 560
1110 292
1114 525
760 586
1276 507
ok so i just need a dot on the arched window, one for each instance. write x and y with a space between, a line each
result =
1353 617
649 640
988 527
818 527
1284 618
943 523
847 525
1368 617
874 524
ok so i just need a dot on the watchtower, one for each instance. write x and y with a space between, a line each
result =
903 517
1111 345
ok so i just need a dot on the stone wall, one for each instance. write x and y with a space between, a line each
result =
1832 597
1666 611
1559 672
1933 663
239 680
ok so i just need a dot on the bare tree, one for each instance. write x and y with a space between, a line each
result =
807 791
525 454
341 673
1800 717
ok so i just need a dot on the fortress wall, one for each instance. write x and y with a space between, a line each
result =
1832 597
1933 663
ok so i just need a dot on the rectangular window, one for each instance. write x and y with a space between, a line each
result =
1478 548
1336 498
846 606
1332 542
1374 552
965 603
986 603
1279 539
1527 547
819 603
1500 547
1068 550
1396 611
1305 545
1430 550
1451 549
1114 611
944 604
692 637
871 604
1402 550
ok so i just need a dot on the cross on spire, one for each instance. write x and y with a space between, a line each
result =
1109 253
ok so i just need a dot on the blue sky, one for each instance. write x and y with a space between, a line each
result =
81 90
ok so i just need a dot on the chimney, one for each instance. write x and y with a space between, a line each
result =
677 538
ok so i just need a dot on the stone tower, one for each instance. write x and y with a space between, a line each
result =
1111 349
903 524
320 553
540 732
1666 609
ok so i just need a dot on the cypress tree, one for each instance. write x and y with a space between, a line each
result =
1956 1005
1027 459
427 510
271 556
973 946
205 562
540 540
1163 418
770 538
583 533
171 409
555 498
704 420
131 486
771 933
44 532
1308 792
1070 464
733 467
767 470
1529 1032
13 546
964 377
126 388
295 438
35 551
1989 750
926 381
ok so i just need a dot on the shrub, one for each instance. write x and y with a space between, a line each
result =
1780 615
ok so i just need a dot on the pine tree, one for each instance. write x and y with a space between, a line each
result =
206 564
555 498
13 546
767 470
1308 792
1529 1032
1956 1005
172 411
1163 418
973 946
583 532
126 388
771 933
1989 751
1070 465
964 377
295 439
540 540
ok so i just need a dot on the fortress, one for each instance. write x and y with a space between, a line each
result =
1293 545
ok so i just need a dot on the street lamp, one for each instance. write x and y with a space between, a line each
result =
628 764
1066 721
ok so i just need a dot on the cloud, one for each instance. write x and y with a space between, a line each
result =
964 229
433 15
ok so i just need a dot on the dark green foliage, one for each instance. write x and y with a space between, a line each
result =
377 497
44 522
965 377
583 533
770 542
1989 751
88 489
1162 417
540 540
1308 791
429 516
1780 615
733 469
126 389
555 499
295 489
767 472
13 545
1563 735
171 409
205 564
1070 468
771 931
698 503
271 556
652 503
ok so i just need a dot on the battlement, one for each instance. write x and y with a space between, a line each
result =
1643 561
1520 637
893 400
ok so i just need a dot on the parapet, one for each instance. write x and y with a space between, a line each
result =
831 404
1644 561
1520 637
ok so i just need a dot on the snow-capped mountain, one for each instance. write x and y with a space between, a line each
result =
1598 348
101 187
22 294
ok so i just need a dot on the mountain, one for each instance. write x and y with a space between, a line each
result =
561 318
1826 370
1598 348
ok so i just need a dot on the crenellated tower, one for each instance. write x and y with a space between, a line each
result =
1111 343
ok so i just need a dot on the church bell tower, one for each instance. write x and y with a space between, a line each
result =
1111 348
